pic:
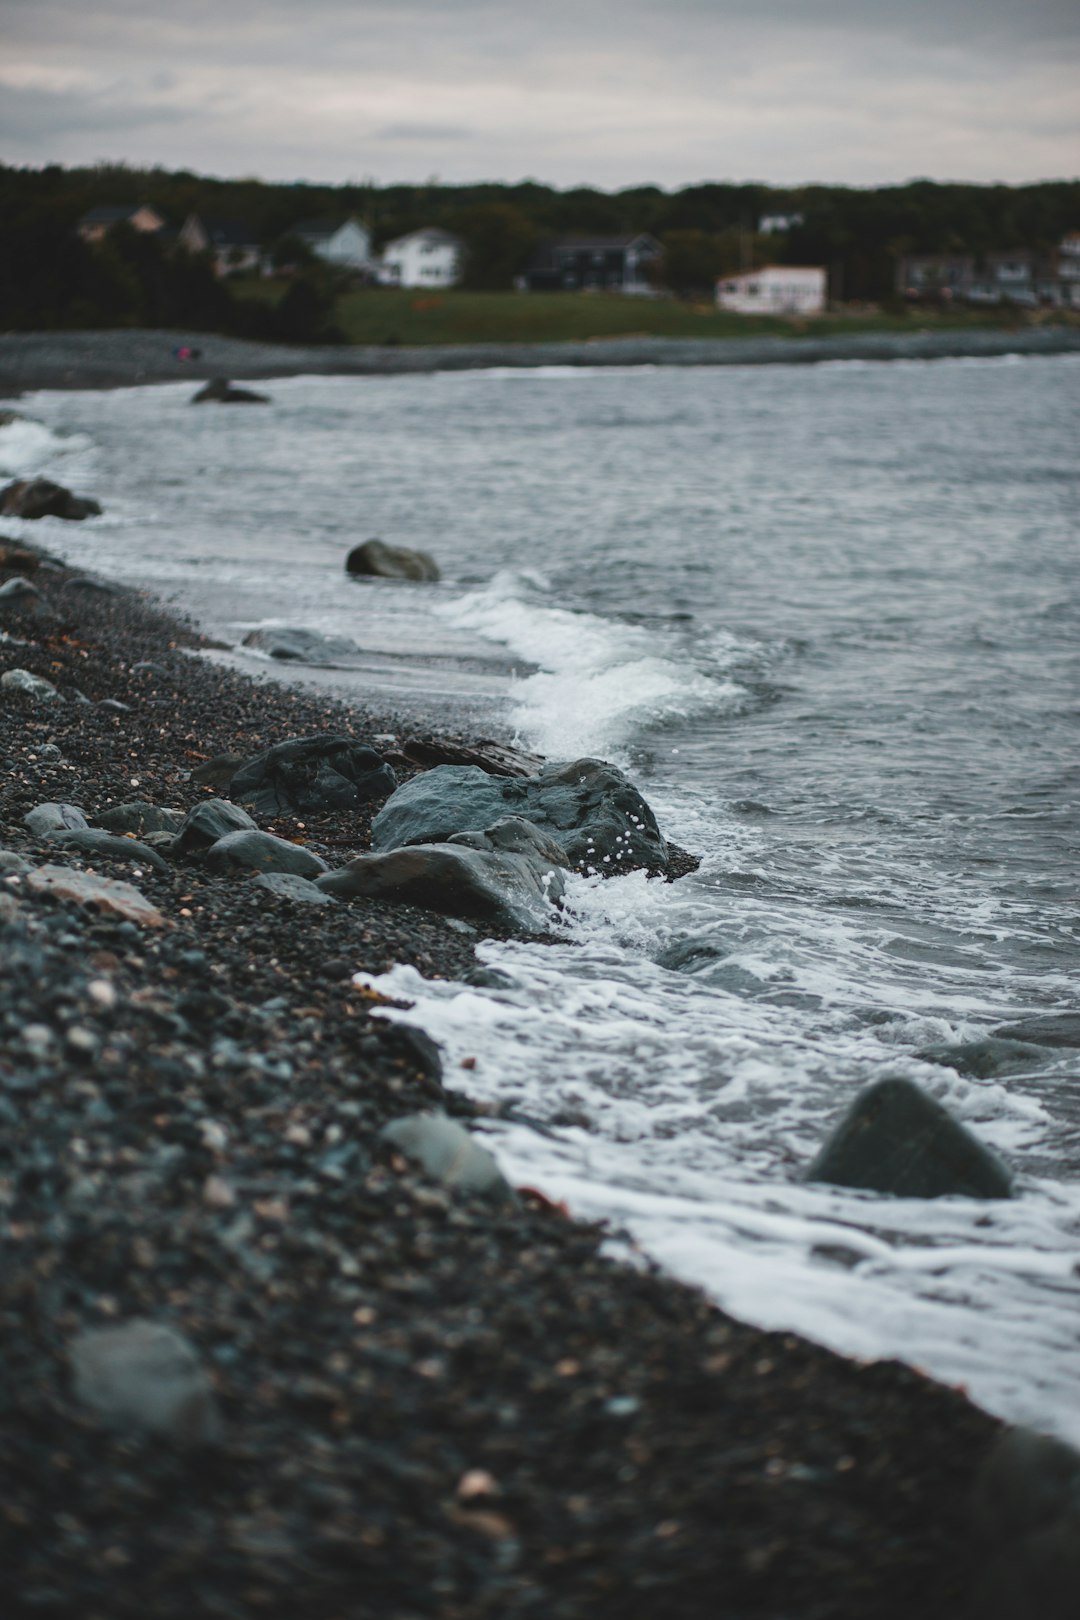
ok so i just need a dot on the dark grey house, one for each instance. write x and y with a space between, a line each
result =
622 264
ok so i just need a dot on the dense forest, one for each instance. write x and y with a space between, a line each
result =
49 277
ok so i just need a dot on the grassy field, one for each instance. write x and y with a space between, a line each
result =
415 318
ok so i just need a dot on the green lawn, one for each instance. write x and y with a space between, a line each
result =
415 318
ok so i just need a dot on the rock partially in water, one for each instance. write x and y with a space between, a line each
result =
314 774
143 1375
448 1153
897 1139
301 646
31 686
220 391
375 559
255 851
96 841
140 817
509 874
205 823
289 886
40 498
590 809
1047 1029
498 759
1025 1512
105 894
985 1058
46 819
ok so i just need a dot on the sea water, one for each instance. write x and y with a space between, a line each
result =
827 617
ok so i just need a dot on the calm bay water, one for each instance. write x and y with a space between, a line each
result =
828 617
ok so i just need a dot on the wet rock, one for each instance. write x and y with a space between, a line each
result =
100 587
590 809
290 886
1025 1512
13 555
897 1139
40 498
448 1153
20 596
508 875
105 894
321 773
31 686
374 559
262 852
46 819
143 1375
13 864
1047 1029
217 772
139 817
95 841
496 758
985 1058
205 823
220 391
301 646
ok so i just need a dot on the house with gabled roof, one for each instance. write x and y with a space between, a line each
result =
342 241
426 258
623 264
98 222
232 244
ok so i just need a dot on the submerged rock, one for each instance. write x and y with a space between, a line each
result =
590 809
143 1375
301 646
897 1139
40 498
261 852
449 1154
1047 1029
985 1058
374 559
320 773
205 823
508 874
220 391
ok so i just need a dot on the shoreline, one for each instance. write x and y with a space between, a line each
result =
430 1407
131 358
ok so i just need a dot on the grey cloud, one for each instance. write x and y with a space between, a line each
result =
423 132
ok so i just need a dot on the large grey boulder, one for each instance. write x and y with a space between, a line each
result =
590 809
143 1375
312 774
40 497
897 1139
140 817
448 1153
1025 1512
255 851
374 559
510 874
45 819
205 823
301 646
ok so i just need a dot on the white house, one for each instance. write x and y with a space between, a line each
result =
777 289
426 258
345 242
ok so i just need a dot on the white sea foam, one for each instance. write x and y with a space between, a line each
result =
29 448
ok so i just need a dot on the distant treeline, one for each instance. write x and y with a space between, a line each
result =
49 277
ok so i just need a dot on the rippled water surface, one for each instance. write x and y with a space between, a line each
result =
828 616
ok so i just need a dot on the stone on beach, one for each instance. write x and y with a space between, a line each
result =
46 819
31 686
589 808
897 1139
322 773
209 821
140 818
450 1154
295 646
143 1375
40 498
19 594
290 886
375 559
258 851
106 894
96 841
509 874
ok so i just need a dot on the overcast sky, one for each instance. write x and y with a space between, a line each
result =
606 92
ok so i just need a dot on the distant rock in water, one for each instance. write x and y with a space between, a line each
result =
321 773
301 646
220 391
41 498
1046 1029
897 1139
376 560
